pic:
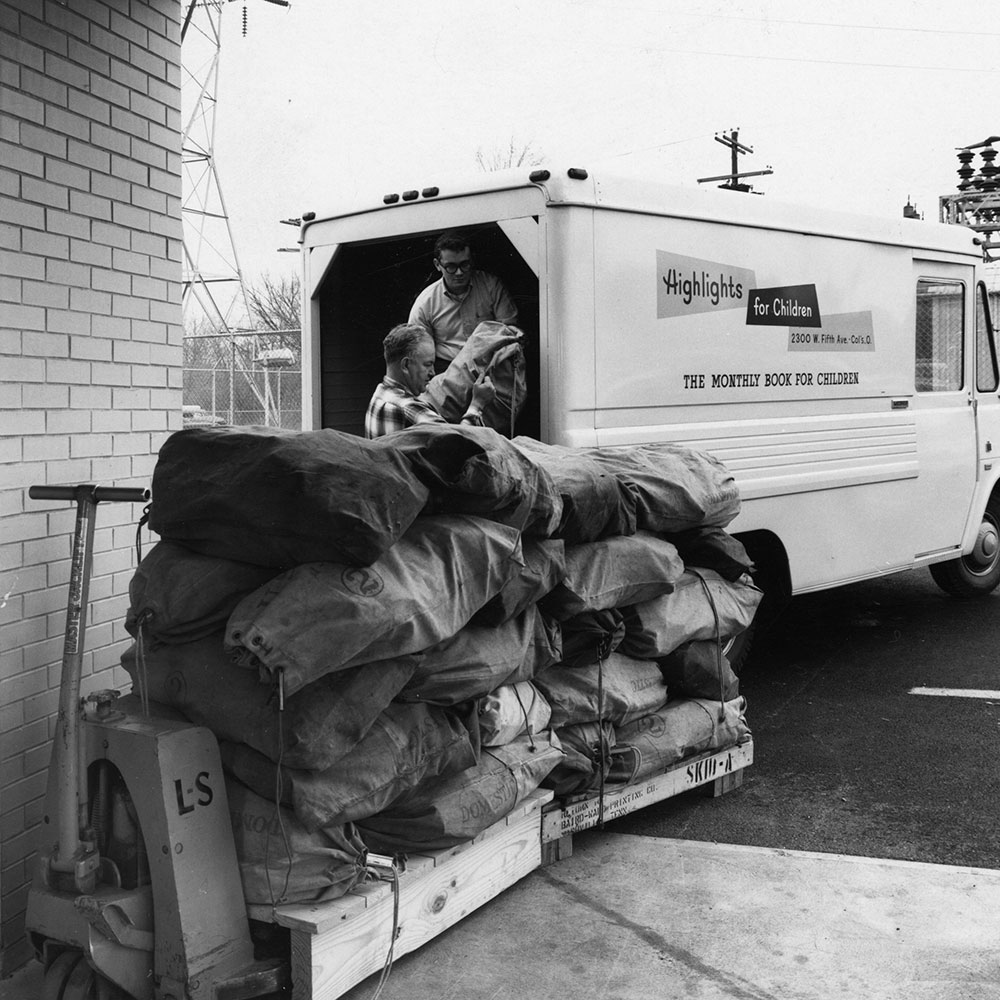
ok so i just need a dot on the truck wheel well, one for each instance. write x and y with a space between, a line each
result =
771 572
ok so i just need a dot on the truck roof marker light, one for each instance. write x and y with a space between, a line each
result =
537 176
577 173
390 199
411 195
431 192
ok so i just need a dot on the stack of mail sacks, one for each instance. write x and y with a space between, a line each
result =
396 641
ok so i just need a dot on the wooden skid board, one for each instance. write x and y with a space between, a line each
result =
623 799
338 944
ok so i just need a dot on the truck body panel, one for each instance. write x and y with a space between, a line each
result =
843 368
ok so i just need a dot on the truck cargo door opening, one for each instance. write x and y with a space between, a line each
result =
368 287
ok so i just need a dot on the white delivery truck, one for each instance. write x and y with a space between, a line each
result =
843 368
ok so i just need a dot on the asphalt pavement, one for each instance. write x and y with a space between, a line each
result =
846 759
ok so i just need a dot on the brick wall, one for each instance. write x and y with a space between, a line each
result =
90 351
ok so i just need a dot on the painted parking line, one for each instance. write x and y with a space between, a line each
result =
957 693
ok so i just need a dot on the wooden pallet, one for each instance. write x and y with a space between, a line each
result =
719 771
338 944
335 945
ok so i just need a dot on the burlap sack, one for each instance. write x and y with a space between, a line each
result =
280 498
321 723
326 616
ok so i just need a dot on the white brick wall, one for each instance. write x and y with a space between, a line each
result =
90 351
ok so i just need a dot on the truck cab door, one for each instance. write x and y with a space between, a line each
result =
987 387
944 409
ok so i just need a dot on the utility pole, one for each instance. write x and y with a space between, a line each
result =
733 178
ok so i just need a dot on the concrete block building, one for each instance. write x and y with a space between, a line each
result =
90 353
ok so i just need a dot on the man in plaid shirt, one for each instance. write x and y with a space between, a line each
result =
409 365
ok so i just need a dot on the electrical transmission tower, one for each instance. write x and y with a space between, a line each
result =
212 276
214 291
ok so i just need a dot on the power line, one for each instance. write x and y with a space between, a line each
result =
700 15
837 24
807 59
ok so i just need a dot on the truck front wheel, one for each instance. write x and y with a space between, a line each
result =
978 573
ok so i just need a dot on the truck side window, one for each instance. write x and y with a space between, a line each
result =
939 340
987 379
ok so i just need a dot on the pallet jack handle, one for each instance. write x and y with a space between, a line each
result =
74 859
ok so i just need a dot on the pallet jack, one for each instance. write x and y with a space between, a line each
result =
137 891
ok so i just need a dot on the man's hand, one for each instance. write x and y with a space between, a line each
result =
483 393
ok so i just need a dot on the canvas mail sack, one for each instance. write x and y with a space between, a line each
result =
458 808
680 729
474 470
613 573
281 862
179 595
280 498
591 635
676 487
700 669
318 726
588 747
711 547
510 711
596 502
478 659
543 565
494 349
702 605
618 688
326 616
406 746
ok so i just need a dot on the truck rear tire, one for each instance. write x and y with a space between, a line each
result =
978 573
738 649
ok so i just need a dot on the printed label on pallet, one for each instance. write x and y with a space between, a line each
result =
585 814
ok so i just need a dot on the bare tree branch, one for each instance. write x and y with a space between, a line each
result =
515 154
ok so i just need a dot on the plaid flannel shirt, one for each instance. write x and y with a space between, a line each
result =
394 408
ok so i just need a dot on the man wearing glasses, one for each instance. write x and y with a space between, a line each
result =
452 307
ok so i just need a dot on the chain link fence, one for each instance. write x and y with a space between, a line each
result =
242 378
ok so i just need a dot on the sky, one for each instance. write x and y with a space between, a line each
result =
853 105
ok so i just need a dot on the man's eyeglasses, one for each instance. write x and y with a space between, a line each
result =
459 268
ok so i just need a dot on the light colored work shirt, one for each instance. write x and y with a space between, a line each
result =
449 319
